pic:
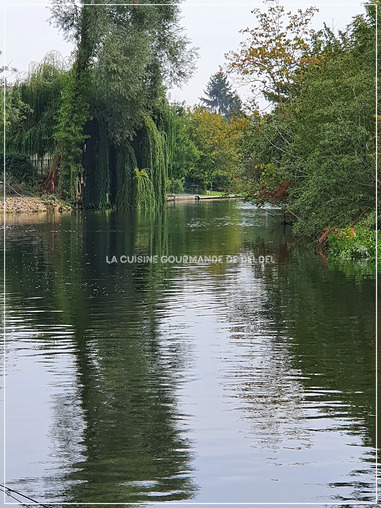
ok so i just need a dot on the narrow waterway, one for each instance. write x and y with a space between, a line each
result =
250 379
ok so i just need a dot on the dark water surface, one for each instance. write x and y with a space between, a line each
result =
208 382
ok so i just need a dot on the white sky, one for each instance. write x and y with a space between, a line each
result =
213 26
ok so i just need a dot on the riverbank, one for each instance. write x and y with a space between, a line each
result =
354 249
26 204
199 197
46 203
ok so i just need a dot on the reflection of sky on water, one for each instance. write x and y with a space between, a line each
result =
211 383
260 435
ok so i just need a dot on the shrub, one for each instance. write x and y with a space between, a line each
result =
18 169
176 186
350 244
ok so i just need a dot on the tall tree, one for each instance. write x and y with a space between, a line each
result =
315 151
217 143
220 97
331 161
125 55
275 51
84 25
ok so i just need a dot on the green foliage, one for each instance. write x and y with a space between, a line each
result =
125 171
145 192
370 220
69 134
15 109
350 244
109 105
119 91
131 51
353 251
331 158
184 153
115 176
96 163
175 186
220 97
34 103
74 111
318 143
153 159
101 172
18 169
263 143
125 54
219 159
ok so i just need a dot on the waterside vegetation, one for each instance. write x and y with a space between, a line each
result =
111 138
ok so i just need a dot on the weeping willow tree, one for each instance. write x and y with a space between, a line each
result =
39 96
106 120
127 174
145 192
110 146
124 189
96 160
154 148
153 159
166 119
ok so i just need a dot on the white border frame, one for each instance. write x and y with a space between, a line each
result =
338 503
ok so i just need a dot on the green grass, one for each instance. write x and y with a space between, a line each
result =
212 193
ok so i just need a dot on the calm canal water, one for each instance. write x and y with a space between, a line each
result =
191 382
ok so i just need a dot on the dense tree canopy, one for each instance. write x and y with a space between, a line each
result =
106 121
315 151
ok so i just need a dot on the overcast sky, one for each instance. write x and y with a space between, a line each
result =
213 26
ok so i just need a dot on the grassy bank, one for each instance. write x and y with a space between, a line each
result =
355 249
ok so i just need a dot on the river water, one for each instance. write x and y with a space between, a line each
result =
247 380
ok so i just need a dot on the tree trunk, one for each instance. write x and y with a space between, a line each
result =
52 181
